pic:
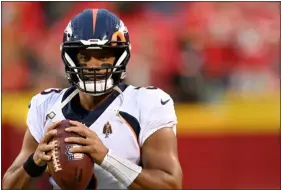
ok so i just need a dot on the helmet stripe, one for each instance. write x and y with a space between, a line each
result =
95 12
106 24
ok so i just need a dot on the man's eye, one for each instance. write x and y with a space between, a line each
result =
103 58
84 58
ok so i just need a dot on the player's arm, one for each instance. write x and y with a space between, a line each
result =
31 161
16 177
161 167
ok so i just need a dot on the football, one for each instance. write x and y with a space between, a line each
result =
69 170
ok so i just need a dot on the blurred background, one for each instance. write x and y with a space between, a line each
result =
220 61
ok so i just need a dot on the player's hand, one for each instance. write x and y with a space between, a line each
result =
92 145
40 156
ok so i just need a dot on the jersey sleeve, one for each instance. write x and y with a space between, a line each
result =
156 113
39 106
35 118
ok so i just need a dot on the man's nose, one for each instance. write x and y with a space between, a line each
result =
93 62
95 65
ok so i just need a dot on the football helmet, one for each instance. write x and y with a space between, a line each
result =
95 29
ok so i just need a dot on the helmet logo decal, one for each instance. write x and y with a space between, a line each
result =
122 27
118 34
122 30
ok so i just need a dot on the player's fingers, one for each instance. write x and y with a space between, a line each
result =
81 149
79 130
45 157
49 135
76 123
53 125
41 157
77 140
46 147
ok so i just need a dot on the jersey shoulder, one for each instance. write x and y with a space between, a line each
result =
155 110
46 97
38 108
152 96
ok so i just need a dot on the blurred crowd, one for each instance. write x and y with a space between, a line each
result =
196 51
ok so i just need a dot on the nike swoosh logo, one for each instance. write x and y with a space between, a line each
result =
165 102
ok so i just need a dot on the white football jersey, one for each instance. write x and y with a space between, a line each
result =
142 111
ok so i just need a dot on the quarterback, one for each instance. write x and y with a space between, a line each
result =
129 132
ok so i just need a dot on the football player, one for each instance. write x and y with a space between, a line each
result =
128 131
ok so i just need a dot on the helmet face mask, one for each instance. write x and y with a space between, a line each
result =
95 80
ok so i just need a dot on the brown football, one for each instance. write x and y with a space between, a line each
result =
69 170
